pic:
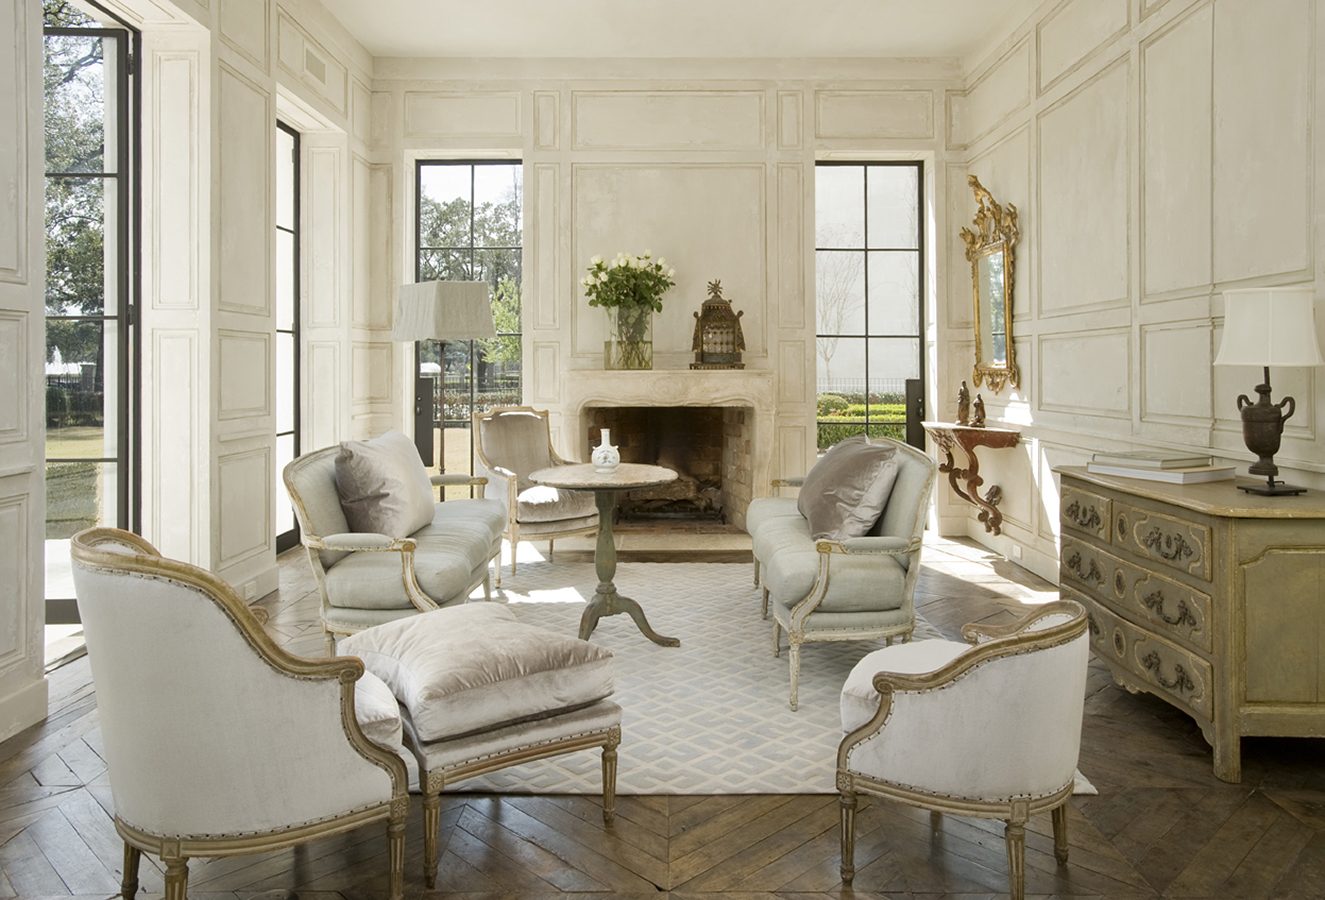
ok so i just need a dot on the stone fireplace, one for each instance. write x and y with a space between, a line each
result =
732 409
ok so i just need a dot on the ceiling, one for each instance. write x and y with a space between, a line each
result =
712 29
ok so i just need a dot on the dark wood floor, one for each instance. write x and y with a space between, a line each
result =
1161 826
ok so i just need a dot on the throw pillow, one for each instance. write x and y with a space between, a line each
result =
383 486
845 493
377 711
473 668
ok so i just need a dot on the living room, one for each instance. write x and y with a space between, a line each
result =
268 175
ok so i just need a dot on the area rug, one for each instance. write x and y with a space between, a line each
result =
708 717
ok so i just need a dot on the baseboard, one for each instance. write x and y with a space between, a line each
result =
23 708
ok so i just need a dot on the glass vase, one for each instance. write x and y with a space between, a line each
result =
630 338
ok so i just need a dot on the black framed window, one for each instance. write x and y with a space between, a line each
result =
869 290
468 227
287 325
91 124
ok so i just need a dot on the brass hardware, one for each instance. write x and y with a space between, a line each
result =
1172 547
1087 517
1181 683
1154 601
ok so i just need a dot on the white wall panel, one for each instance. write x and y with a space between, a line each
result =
14 153
372 371
1084 204
361 111
544 386
474 115
791 120
242 24
1176 121
791 372
174 244
243 184
1073 31
1005 171
793 302
547 120
1001 91
322 372
15 557
1262 141
874 114
667 120
542 309
176 403
244 487
244 373
1086 374
1174 356
14 376
323 242
313 65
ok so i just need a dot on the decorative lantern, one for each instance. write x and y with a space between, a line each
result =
718 340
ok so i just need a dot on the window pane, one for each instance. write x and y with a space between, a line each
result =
892 361
498 373
285 187
79 261
79 495
285 280
501 270
444 195
839 206
894 292
285 381
839 278
284 512
445 265
841 365
79 103
497 212
82 362
894 215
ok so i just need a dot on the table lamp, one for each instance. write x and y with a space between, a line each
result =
441 311
1272 326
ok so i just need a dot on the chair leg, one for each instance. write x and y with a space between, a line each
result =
177 877
515 545
765 603
487 587
1015 836
432 823
935 821
848 805
129 880
777 639
795 670
756 571
550 543
395 839
609 782
1060 833
496 564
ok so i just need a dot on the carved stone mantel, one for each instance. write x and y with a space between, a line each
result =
949 434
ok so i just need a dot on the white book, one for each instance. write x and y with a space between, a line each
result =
1193 475
1153 459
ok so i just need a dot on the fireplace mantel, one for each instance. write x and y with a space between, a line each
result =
750 388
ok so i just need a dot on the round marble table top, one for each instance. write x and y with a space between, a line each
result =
583 477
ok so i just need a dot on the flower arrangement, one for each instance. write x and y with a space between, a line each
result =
638 281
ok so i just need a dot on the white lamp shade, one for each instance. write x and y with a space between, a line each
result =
1272 326
443 310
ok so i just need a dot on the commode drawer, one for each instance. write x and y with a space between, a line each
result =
1177 544
1086 512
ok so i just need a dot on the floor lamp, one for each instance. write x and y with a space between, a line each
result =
441 311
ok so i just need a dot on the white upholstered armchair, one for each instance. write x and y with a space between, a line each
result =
989 728
510 442
218 742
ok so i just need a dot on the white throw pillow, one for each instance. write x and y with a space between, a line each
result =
383 486
473 667
378 712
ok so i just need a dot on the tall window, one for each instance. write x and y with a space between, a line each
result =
91 449
868 288
469 229
287 325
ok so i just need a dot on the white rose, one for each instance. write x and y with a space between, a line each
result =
621 263
671 273
602 276
662 260
648 253
595 260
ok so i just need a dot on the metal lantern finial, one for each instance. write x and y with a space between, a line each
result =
718 339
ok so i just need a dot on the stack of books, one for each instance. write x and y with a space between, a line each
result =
1160 465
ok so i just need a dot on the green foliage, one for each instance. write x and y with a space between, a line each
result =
628 281
506 318
831 404
835 429
876 410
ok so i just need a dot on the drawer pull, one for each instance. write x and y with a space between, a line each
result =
1169 546
1090 575
1092 625
1181 683
1083 517
1154 602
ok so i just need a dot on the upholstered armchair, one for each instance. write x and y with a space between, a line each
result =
509 443
848 588
988 728
217 741
367 578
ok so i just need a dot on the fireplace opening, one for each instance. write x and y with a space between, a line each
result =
707 446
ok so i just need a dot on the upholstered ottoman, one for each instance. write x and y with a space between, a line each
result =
479 691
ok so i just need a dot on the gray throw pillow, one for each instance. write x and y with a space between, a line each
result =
383 486
845 493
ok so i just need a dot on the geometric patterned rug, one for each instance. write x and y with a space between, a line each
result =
708 717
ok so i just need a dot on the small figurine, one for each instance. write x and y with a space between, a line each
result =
963 405
978 420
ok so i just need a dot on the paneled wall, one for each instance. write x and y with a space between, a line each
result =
1160 151
710 165
22 358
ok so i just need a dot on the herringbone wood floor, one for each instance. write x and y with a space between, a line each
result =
1161 826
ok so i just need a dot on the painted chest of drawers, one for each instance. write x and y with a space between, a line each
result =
1207 597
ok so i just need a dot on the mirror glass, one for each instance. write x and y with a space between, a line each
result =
993 328
989 248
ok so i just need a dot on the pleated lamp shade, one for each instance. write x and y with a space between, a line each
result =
1273 326
443 310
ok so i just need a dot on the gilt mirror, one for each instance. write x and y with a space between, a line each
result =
990 250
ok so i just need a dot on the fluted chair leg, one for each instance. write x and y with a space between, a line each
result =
515 545
129 880
765 603
177 877
550 543
1015 836
795 648
777 639
432 823
609 783
395 838
756 571
848 805
1060 833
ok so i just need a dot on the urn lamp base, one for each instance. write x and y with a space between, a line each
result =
1262 428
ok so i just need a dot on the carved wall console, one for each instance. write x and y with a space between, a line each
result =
966 481
1207 598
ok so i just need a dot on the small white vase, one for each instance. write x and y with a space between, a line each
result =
605 457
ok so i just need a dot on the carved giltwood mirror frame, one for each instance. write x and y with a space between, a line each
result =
989 249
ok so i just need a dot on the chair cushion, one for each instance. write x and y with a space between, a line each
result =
474 667
860 701
541 503
846 491
762 509
378 712
790 565
383 486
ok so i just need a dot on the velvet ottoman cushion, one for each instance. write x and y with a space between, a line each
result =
474 667
377 711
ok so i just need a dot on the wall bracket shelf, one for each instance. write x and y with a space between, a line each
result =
966 481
